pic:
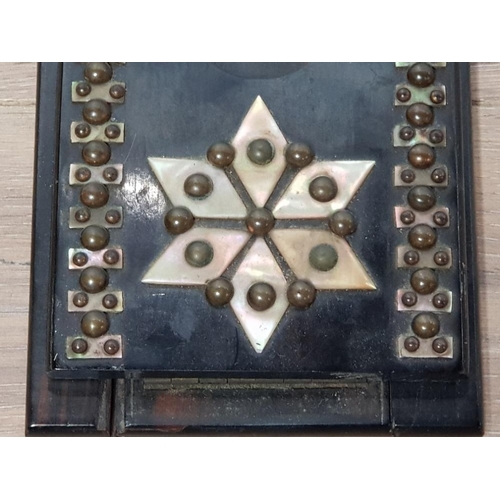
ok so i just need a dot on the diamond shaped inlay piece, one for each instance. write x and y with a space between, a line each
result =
222 203
296 244
297 203
171 268
259 265
259 180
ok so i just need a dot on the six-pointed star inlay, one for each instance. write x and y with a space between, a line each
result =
318 258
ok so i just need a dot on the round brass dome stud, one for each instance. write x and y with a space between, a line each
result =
421 75
98 72
112 131
301 294
113 216
421 156
219 292
440 345
259 221
409 299
111 257
82 130
83 174
94 279
117 91
96 153
82 215
323 257
80 299
323 189
406 133
421 198
83 89
260 151
80 259
424 281
299 155
422 237
94 195
438 175
436 136
407 217
111 347
342 223
441 258
198 186
221 154
440 300
425 325
94 237
411 257
199 253
407 176
437 96
411 344
440 218
96 112
110 174
94 324
109 301
261 296
178 220
403 94
79 346
420 115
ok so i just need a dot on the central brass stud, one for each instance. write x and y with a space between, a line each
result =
198 186
323 257
260 152
199 254
323 189
259 221
261 296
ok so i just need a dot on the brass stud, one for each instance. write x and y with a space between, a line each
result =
95 324
421 75
199 253
198 186
96 111
261 296
411 257
403 94
80 259
109 301
323 257
440 345
110 174
342 223
323 189
79 346
407 176
178 220
425 325
94 279
422 237
82 130
117 91
83 174
94 237
111 257
440 218
80 299
441 258
259 221
421 156
112 131
301 294
437 96
98 72
436 136
407 217
221 154
424 281
219 292
113 216
96 153
83 89
420 115
260 151
438 175
406 133
421 198
411 344
94 195
111 347
409 299
82 215
299 155
440 300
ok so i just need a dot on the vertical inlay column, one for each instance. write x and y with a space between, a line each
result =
422 216
96 178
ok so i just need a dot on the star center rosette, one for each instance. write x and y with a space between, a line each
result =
258 292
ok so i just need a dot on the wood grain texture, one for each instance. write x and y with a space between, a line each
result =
17 122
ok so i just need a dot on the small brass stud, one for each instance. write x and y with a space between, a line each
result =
82 130
440 218
79 346
80 299
111 257
406 133
409 299
82 215
111 347
440 345
110 174
436 136
438 175
441 258
80 259
403 94
109 301
440 300
437 96
117 91
407 217
411 257
407 176
112 131
83 174
113 216
83 89
411 344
